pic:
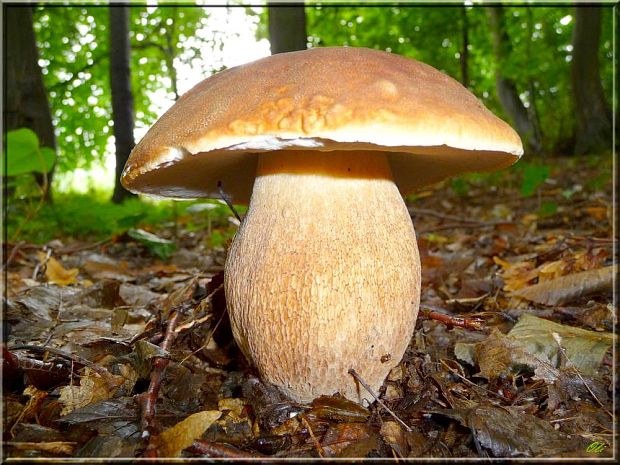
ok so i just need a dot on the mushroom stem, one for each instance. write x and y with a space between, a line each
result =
324 274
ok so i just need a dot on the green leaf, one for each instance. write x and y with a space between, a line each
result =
533 177
460 187
547 209
130 220
24 154
163 248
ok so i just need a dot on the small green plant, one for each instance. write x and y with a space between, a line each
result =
163 248
547 209
24 155
81 216
532 178
459 186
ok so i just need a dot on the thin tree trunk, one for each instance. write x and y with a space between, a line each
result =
506 88
287 28
464 55
27 103
592 114
122 98
533 109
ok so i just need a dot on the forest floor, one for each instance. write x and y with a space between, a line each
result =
111 351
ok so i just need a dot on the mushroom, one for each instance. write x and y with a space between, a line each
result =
323 275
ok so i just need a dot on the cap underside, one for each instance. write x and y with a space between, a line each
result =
190 176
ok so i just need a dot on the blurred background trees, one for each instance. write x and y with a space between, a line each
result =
80 77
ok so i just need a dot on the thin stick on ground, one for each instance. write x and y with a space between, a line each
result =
219 450
354 373
149 398
451 320
101 371
317 444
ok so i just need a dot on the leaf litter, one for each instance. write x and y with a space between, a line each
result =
123 348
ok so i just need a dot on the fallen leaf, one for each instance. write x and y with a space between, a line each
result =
56 273
172 441
92 388
121 408
60 448
348 440
163 248
338 409
394 436
598 213
565 289
585 349
509 432
106 268
33 406
500 354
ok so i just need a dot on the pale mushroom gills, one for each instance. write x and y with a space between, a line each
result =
323 274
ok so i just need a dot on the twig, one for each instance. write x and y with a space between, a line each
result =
218 450
466 225
149 398
226 199
311 433
39 265
101 371
12 254
436 214
33 364
461 322
353 373
471 383
208 339
73 249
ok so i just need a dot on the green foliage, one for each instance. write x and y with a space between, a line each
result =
24 155
547 209
459 186
82 216
533 175
74 56
93 217
538 60
73 44
163 248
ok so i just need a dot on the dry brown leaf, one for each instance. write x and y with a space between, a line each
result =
565 289
57 447
172 441
516 275
56 273
348 440
33 406
92 388
394 436
598 213
509 432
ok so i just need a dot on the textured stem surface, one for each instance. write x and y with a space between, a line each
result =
324 273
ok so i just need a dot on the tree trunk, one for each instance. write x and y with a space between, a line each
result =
464 55
287 28
592 114
506 88
27 103
122 99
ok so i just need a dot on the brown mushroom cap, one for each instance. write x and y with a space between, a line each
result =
323 99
